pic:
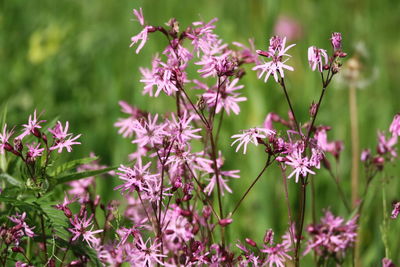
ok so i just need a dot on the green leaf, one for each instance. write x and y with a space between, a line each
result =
22 204
81 175
71 165
81 248
57 219
11 180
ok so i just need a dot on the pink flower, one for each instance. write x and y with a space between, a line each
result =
395 126
387 263
142 36
228 99
139 15
149 253
127 125
149 132
387 146
396 210
24 228
301 165
332 237
181 128
32 126
250 136
216 65
4 139
81 228
162 76
316 57
34 151
276 52
277 255
336 41
63 139
135 178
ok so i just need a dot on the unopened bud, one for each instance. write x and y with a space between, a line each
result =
313 109
44 138
186 213
67 212
206 212
225 222
36 132
343 54
96 201
326 67
169 232
269 237
251 242
18 249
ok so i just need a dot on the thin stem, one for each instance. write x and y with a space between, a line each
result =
341 193
355 145
46 257
299 229
219 126
66 251
282 83
291 223
267 163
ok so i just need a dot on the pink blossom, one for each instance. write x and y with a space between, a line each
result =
277 255
134 178
148 253
396 210
162 76
395 126
32 126
181 128
216 65
387 146
387 263
301 165
250 136
149 132
81 228
276 52
25 229
316 57
127 125
63 139
228 99
336 41
4 138
139 15
34 151
332 237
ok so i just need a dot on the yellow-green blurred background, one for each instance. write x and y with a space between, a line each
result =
71 58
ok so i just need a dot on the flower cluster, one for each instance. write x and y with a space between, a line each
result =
332 237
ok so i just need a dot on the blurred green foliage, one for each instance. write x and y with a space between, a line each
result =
71 58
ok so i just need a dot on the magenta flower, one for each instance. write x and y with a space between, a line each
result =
395 125
387 263
216 65
81 228
135 178
149 132
250 136
162 76
277 255
66 143
276 51
149 253
332 237
228 99
4 136
32 126
34 151
139 15
336 41
396 210
142 36
127 125
181 128
24 228
387 146
301 165
63 139
316 57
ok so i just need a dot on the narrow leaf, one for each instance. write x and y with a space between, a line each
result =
71 165
81 175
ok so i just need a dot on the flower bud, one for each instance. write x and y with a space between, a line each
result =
225 222
251 242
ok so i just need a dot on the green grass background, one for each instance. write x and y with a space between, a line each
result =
72 59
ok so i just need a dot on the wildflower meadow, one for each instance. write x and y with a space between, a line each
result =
182 133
